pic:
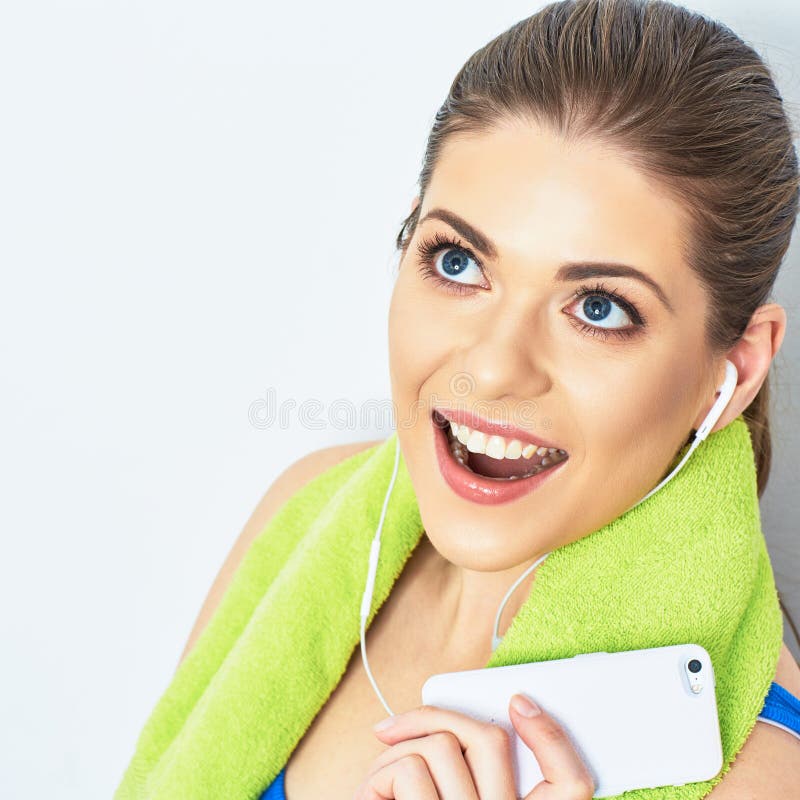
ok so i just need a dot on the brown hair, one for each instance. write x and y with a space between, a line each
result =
689 103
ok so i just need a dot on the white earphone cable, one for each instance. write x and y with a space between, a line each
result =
726 391
366 600
495 638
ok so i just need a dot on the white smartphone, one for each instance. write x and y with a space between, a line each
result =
638 718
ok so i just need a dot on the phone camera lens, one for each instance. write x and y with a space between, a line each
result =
695 665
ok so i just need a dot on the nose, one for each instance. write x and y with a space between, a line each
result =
506 353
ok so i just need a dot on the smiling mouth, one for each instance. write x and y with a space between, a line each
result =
511 465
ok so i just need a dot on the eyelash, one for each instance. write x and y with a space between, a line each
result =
428 249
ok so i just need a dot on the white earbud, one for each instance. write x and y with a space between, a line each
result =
725 394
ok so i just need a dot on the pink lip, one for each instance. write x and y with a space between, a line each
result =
478 488
478 423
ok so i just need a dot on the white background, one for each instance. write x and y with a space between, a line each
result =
198 206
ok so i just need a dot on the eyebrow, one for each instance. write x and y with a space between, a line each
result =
571 271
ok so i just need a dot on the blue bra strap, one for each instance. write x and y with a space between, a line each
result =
781 709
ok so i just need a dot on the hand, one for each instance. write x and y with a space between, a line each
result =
438 754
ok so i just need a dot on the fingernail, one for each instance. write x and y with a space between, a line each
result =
524 706
383 724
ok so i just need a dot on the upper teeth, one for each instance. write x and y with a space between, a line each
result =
498 446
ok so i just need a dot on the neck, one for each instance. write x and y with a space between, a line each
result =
465 601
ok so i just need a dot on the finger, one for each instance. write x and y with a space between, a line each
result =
565 773
405 779
445 760
486 748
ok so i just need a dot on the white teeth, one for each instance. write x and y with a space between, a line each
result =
528 451
496 447
461 454
476 442
489 445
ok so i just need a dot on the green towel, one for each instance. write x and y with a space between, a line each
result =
689 564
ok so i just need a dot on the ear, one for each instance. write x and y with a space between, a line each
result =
752 355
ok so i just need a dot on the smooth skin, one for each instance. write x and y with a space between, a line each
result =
290 480
438 754
621 408
767 748
403 758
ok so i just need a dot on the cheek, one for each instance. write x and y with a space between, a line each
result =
408 361
401 336
668 401
636 412
417 340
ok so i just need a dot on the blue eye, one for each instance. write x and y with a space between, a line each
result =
607 312
600 309
604 306
453 266
455 262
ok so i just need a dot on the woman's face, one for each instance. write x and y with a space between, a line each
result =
506 335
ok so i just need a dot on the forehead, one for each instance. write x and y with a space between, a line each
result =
537 195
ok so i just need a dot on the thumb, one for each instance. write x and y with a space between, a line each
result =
559 761
524 715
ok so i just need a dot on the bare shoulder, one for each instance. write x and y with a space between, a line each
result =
290 480
294 477
314 463
768 765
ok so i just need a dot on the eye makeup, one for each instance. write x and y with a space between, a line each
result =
429 248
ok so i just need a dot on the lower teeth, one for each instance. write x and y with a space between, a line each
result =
461 454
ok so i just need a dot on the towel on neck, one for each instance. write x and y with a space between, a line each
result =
689 564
